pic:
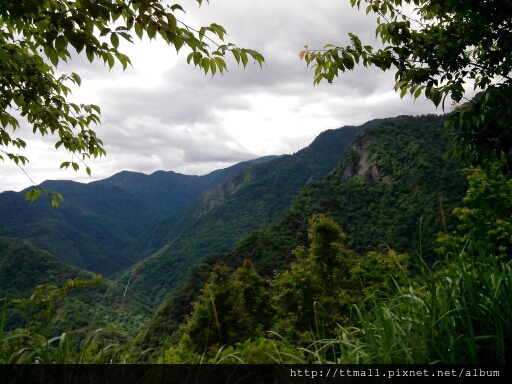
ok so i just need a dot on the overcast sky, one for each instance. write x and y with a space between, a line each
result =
163 114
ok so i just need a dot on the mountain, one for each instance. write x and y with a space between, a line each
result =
23 268
97 223
246 201
391 189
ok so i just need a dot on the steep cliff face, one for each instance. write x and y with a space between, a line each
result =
358 160
221 192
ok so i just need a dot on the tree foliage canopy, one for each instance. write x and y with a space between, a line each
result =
438 49
485 219
36 35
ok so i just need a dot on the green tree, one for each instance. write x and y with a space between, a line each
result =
305 295
486 217
33 344
36 35
233 308
318 291
437 50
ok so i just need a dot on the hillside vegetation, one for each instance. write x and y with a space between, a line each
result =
98 223
390 190
247 201
393 256
30 272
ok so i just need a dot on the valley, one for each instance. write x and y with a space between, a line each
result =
376 197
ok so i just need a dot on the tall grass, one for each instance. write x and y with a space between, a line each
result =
459 314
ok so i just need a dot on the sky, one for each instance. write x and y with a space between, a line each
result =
163 114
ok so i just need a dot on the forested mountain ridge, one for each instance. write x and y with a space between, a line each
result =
391 189
249 200
384 182
167 229
23 268
97 223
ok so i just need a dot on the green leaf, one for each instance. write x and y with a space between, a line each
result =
105 31
404 91
89 52
32 195
436 97
236 55
220 63
4 118
60 43
177 7
243 56
54 57
151 30
139 30
213 66
55 198
114 39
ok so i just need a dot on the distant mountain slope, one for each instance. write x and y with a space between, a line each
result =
249 200
97 223
23 268
390 189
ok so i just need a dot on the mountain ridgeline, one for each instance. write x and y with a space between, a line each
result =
246 201
23 268
391 189
96 225
385 183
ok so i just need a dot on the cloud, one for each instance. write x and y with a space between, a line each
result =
165 114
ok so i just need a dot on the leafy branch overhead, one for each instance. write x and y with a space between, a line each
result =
37 35
437 50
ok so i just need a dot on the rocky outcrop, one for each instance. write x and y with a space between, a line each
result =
221 192
357 160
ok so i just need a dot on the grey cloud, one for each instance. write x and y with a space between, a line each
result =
177 122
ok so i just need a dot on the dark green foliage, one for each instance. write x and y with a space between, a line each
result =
96 225
35 36
400 200
167 229
233 308
439 50
486 217
392 188
399 191
319 289
301 294
314 296
457 315
249 200
23 268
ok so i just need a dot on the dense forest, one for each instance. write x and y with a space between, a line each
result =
347 251
385 243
